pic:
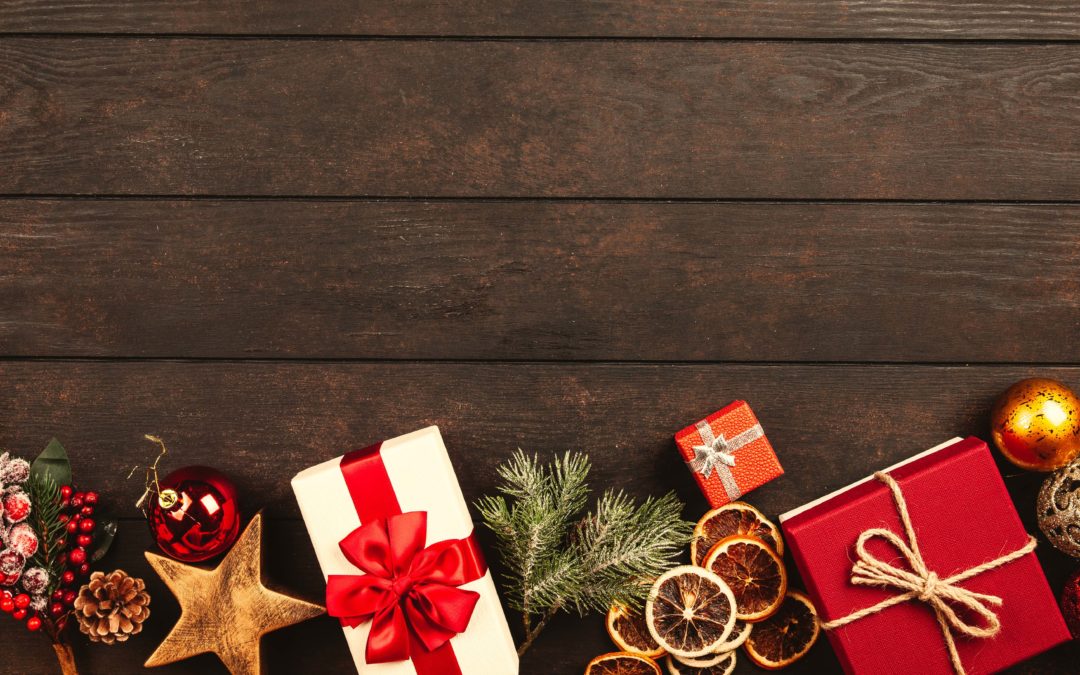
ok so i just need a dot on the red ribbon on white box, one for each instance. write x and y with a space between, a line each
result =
409 591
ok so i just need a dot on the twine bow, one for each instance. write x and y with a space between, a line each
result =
922 584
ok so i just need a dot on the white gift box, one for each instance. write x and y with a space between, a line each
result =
423 479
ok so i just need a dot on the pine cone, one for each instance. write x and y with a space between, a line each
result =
112 607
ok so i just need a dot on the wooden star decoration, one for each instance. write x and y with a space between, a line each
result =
226 610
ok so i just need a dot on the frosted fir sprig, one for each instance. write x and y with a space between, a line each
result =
558 558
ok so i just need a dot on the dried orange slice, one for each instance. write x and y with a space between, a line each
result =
627 630
707 661
737 637
622 663
786 636
690 611
728 521
725 666
753 571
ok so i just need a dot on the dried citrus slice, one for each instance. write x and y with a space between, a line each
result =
754 573
707 661
622 663
728 521
737 637
629 633
786 636
725 666
690 611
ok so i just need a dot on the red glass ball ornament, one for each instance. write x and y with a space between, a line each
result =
195 515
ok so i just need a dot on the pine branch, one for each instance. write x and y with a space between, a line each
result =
44 518
557 560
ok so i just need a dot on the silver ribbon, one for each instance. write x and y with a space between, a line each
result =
718 453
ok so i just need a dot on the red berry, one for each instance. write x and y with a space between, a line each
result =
22 600
56 608
69 597
16 506
77 501
66 491
63 518
33 623
19 614
87 525
62 542
7 605
84 540
87 511
58 594
73 526
5 594
84 570
91 498
21 538
77 556
68 577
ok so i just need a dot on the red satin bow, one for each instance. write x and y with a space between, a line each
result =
409 592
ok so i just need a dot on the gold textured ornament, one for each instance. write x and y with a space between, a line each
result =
1036 424
1058 509
226 610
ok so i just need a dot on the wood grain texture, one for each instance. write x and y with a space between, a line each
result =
262 422
646 119
1033 19
538 280
226 609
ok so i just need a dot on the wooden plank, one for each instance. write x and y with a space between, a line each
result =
525 280
482 118
265 421
261 422
1033 19
317 645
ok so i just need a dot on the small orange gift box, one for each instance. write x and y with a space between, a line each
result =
728 453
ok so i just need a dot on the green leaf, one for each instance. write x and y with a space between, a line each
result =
103 538
53 462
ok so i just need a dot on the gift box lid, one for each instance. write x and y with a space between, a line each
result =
963 517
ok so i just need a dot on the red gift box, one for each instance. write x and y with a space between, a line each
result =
962 518
728 453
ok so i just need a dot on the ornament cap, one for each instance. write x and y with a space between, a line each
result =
167 498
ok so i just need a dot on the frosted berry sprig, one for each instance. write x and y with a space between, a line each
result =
50 533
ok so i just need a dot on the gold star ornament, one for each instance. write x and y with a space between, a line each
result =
226 610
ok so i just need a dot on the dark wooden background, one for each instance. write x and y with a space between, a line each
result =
272 231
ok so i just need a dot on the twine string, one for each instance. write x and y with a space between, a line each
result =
920 583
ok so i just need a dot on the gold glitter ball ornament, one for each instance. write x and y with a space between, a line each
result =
1036 424
1058 509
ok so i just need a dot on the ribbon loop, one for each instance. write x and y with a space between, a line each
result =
406 588
922 584
718 451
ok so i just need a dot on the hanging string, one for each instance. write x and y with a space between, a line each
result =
167 498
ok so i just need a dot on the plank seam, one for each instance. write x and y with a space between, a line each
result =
420 37
135 197
331 360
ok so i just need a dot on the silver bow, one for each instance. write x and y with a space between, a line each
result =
706 457
717 453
